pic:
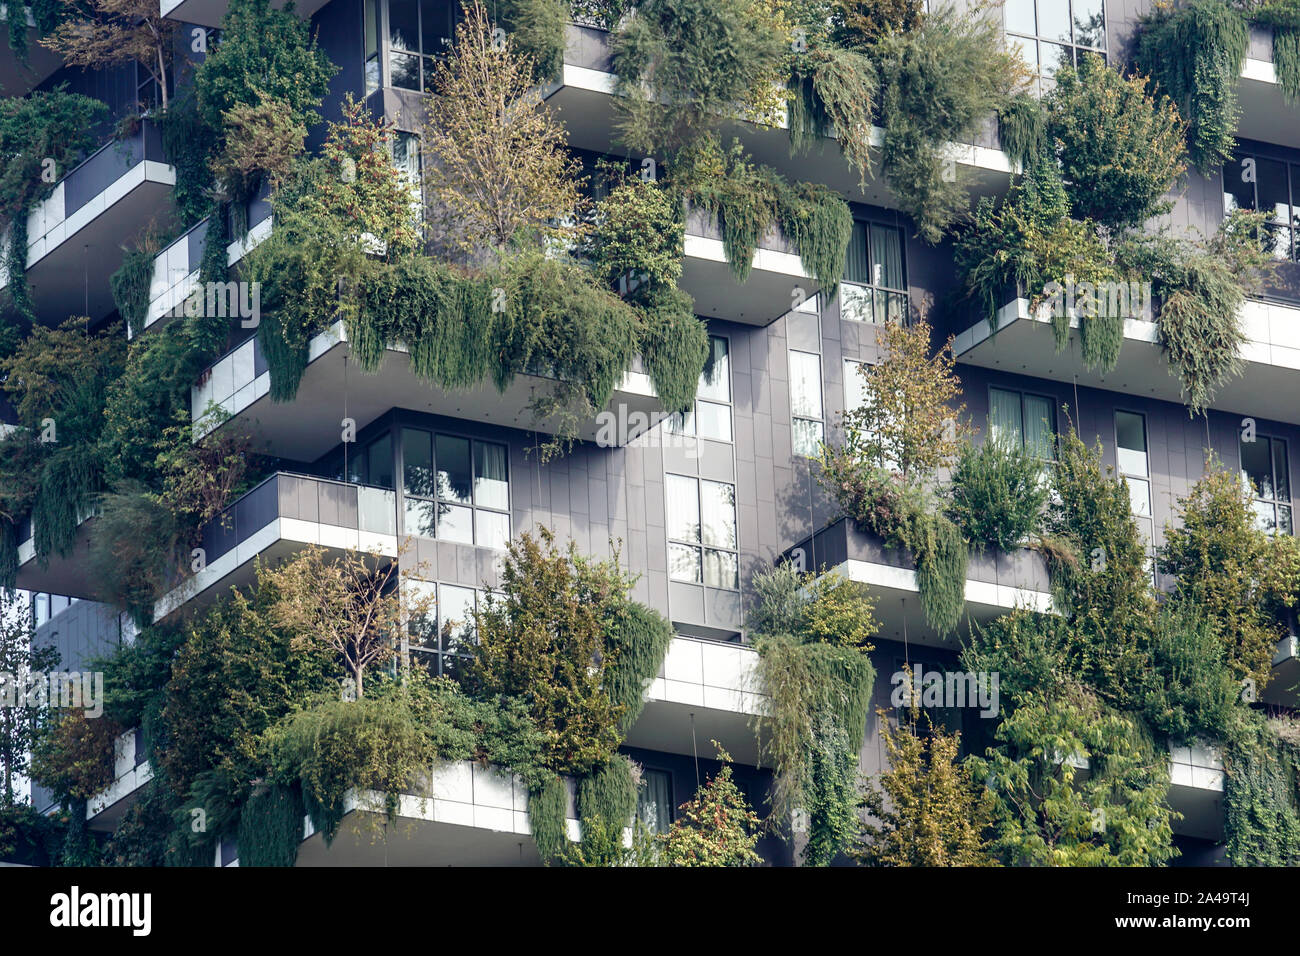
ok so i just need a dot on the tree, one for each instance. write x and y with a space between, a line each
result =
104 33
262 139
18 725
544 640
908 422
349 605
1221 559
496 162
1119 149
716 827
930 811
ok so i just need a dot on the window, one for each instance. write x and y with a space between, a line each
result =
702 541
1134 469
364 463
441 639
855 387
418 31
455 489
654 801
712 415
370 29
1050 33
875 285
1266 473
1024 420
1270 186
806 403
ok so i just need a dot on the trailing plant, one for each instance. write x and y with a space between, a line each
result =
938 83
674 347
1194 53
998 494
638 639
132 284
189 143
536 29
1119 149
1022 129
810 636
749 199
1261 799
716 827
926 809
547 813
606 805
685 66
270 827
833 93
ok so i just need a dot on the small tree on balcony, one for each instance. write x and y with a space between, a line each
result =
496 164
105 33
18 725
351 605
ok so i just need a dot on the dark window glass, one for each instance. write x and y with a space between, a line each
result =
451 455
380 464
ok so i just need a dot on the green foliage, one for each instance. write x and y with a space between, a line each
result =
1119 150
813 664
554 638
43 126
132 284
1106 595
134 551
1191 693
1194 53
638 639
270 827
938 83
1022 129
1286 62
833 92
748 199
638 236
606 804
684 66
930 811
1220 558
998 494
547 817
1261 800
189 142
72 755
674 348
715 828
536 29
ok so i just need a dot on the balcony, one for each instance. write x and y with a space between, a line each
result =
176 268
1264 111
583 99
1283 687
306 428
1024 344
278 518
705 690
1196 784
995 582
16 77
468 815
65 574
131 772
208 13
767 292
75 236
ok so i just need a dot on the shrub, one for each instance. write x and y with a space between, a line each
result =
998 494
715 828
1119 150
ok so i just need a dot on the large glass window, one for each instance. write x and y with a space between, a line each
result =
712 415
418 31
1266 474
1270 186
875 284
654 802
702 542
364 463
455 488
443 637
1134 468
1051 33
806 402
1023 420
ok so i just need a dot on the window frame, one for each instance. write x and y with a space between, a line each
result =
687 423
1021 394
853 293
795 417
438 501
699 545
1274 502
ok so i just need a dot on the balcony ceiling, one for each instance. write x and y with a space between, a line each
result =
208 13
